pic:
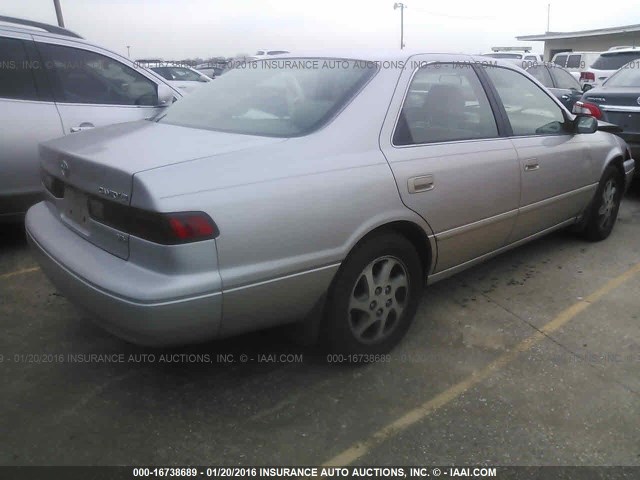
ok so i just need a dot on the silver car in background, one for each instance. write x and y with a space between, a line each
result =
321 189
54 83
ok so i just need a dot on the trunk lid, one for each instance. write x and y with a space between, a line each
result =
101 163
621 106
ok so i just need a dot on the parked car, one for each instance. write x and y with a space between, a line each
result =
559 82
210 70
183 78
325 194
618 102
268 53
53 83
522 58
606 65
575 62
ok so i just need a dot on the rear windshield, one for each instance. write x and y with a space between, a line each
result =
629 76
277 98
613 61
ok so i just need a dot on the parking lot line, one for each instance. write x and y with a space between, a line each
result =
19 272
421 412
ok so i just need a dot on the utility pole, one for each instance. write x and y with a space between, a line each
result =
56 4
401 6
128 51
548 15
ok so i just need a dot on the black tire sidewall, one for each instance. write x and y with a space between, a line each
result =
593 230
338 335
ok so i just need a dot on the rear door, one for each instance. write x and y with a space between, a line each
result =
451 166
28 116
92 88
556 169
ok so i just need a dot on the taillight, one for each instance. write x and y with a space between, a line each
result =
586 108
588 76
163 228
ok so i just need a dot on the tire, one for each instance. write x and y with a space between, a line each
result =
374 296
603 211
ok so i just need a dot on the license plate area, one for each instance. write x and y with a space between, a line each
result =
76 207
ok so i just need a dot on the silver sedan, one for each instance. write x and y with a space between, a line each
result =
316 189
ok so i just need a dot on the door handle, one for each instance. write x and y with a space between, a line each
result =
83 126
530 167
423 183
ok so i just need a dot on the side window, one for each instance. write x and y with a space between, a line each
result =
560 60
541 74
445 102
81 76
529 109
16 75
574 61
564 79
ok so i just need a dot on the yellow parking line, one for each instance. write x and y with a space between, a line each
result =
19 272
419 413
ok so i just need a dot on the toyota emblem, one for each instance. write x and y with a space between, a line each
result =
64 168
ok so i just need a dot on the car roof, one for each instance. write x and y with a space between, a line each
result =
383 55
609 53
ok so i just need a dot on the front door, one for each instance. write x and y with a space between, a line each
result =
555 164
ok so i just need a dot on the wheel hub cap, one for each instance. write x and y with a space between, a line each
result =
378 299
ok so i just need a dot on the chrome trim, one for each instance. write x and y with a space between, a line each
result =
548 201
463 266
475 225
620 108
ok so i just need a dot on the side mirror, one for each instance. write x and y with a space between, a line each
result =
165 95
586 87
585 124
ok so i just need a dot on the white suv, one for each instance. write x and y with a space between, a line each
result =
53 83
607 64
575 62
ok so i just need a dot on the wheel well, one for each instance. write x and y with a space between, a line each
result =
618 162
414 234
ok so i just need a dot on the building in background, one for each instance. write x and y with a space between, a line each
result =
586 40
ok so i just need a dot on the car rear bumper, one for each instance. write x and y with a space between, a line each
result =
73 265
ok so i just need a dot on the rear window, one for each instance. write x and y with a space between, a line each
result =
277 98
574 61
626 77
613 61
560 60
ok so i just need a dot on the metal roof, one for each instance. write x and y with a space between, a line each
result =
581 33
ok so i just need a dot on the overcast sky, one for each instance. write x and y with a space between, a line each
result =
178 29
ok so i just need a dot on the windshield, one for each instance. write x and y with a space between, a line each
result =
279 98
629 76
177 73
613 61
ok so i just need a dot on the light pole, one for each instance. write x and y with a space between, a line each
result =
128 51
56 4
401 6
